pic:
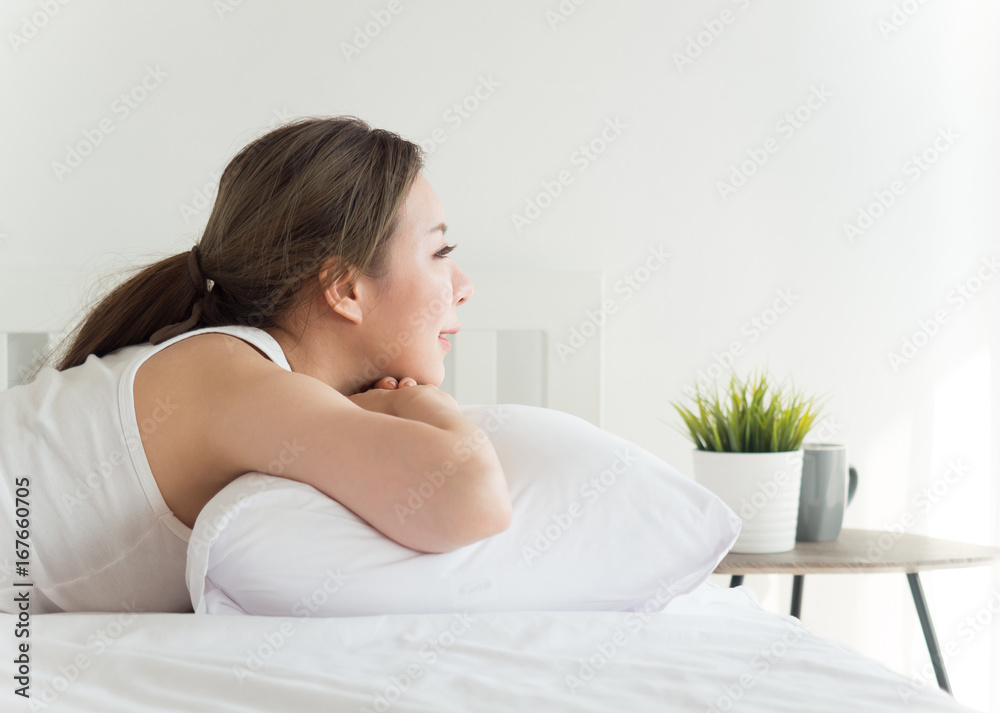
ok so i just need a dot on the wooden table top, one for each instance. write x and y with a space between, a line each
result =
857 551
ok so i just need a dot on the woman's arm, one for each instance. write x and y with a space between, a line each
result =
469 444
405 460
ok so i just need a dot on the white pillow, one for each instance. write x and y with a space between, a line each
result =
598 523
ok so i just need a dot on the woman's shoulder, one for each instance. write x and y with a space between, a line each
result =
192 354
240 344
196 378
184 369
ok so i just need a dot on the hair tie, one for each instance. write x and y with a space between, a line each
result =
201 290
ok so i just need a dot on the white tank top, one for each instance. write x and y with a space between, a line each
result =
101 536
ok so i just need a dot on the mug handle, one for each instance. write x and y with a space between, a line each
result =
853 483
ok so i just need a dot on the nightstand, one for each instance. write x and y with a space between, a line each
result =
862 551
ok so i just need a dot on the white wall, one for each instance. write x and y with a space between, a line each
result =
879 97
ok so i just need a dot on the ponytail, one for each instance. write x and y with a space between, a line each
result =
288 202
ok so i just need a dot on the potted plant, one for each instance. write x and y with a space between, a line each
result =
748 452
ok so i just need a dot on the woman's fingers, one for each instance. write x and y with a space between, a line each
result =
388 382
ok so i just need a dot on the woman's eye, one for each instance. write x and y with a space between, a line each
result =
443 252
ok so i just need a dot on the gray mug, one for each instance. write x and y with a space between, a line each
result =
828 486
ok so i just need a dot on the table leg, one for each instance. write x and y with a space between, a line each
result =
928 627
735 581
797 583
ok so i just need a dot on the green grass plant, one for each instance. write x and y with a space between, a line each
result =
755 416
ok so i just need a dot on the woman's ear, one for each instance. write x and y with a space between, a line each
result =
343 295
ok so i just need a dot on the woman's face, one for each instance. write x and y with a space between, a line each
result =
417 300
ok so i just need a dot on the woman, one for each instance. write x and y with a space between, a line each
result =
301 338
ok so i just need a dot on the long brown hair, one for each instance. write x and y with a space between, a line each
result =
306 192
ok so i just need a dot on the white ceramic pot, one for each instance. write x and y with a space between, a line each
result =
762 488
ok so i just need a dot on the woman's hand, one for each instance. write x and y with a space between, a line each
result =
376 398
385 396
387 382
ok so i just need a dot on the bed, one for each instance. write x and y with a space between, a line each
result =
703 648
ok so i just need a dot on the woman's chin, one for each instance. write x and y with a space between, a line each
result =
433 374
436 376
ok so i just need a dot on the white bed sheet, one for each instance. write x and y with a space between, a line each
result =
712 649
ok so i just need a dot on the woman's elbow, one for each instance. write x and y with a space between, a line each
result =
491 514
499 517
497 512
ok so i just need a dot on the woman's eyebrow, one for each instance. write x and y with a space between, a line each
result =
440 226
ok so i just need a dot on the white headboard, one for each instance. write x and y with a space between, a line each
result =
525 335
37 307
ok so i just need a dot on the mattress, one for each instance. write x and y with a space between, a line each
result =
712 649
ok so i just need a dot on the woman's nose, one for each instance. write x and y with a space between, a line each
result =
464 288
